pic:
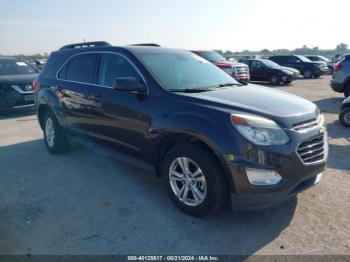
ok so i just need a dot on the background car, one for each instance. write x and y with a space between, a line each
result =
306 67
319 58
16 79
238 71
340 81
268 71
344 115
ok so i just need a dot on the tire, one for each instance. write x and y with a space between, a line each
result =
344 117
347 91
331 70
287 82
307 74
316 76
274 80
207 182
54 137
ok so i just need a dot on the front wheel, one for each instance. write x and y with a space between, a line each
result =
274 80
331 70
193 179
344 117
307 74
55 140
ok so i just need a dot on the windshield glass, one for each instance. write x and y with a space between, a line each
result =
324 58
180 70
270 63
212 56
14 67
303 58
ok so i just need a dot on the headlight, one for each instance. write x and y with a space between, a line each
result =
228 70
287 72
259 130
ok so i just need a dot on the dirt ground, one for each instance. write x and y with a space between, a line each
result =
84 202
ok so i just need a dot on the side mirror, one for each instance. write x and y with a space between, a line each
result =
129 84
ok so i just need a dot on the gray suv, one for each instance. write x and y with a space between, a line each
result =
341 77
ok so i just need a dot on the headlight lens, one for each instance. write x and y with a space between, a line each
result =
287 72
259 130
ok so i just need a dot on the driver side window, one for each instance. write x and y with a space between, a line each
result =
113 66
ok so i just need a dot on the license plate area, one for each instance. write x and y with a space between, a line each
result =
28 97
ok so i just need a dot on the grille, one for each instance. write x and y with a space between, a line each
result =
313 150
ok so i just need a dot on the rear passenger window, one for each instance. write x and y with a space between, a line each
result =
81 68
113 66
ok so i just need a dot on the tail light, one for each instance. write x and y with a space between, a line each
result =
35 85
337 67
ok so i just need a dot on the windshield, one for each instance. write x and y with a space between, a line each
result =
212 56
269 63
182 70
303 58
15 67
324 58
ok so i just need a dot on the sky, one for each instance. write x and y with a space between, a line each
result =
38 26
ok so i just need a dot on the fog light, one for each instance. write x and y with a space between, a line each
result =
262 177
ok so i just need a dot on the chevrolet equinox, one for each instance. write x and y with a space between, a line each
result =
210 138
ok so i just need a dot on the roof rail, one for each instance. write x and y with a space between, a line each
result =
85 44
146 44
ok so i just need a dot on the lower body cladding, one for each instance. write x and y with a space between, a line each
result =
265 178
11 99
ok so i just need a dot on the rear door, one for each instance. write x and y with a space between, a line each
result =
77 81
120 118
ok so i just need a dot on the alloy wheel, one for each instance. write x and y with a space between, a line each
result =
49 132
187 181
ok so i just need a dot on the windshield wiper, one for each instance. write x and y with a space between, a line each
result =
229 84
192 90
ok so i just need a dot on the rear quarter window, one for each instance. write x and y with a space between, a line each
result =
53 64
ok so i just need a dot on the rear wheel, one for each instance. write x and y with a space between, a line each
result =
307 74
193 179
344 117
275 80
54 137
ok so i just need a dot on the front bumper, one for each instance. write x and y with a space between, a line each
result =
15 98
297 173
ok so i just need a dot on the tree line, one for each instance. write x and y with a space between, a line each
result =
340 49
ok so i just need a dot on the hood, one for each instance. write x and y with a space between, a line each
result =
18 79
295 71
286 109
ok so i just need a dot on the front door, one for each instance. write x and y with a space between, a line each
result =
120 118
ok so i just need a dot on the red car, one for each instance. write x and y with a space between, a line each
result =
238 71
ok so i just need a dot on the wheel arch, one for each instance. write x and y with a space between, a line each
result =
172 139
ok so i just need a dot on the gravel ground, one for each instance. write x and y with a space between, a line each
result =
84 202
